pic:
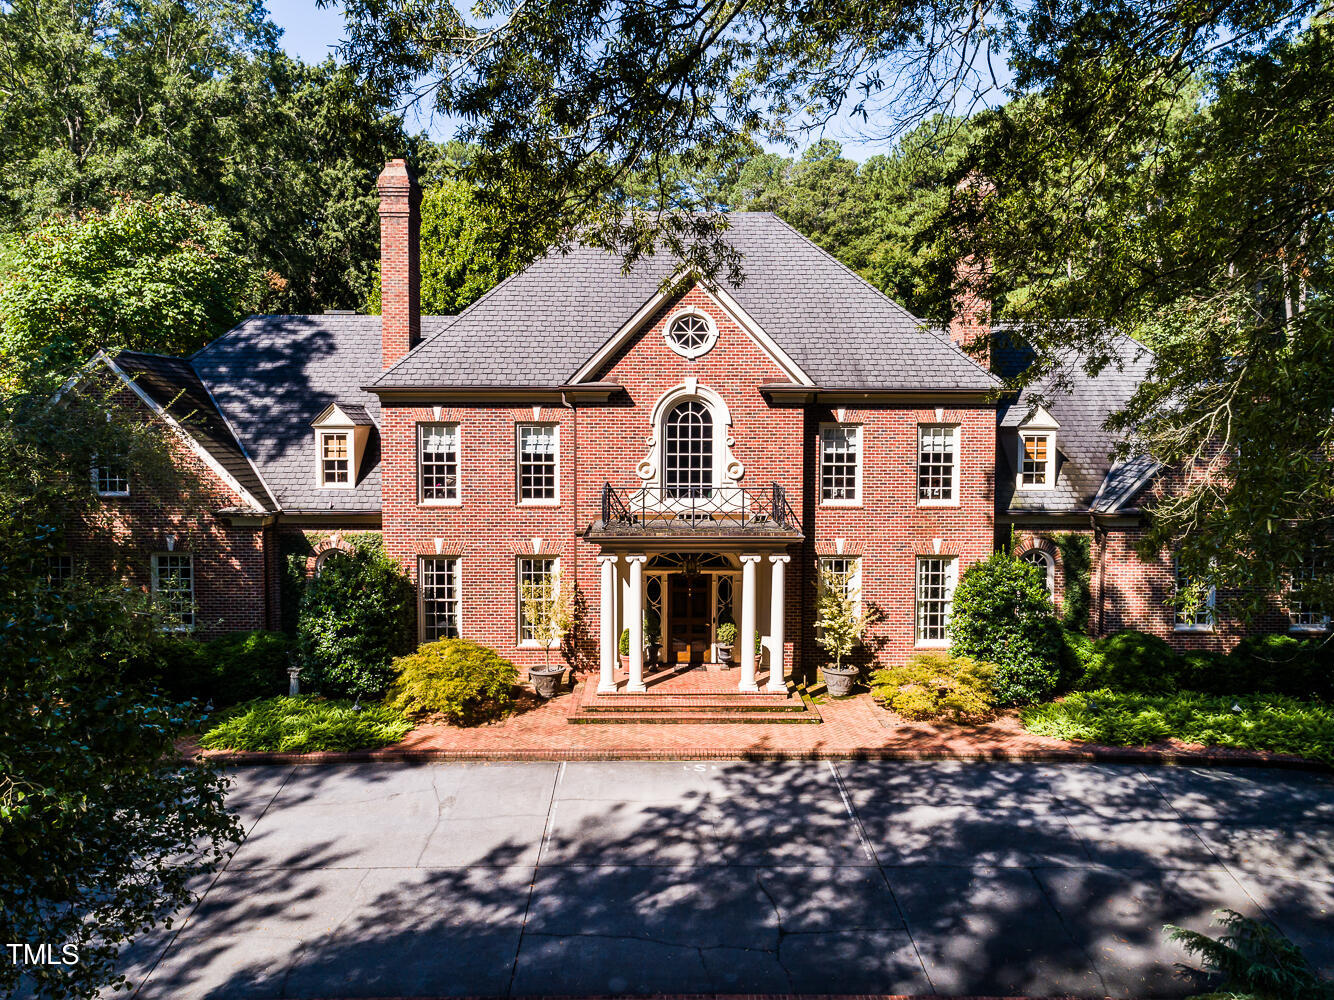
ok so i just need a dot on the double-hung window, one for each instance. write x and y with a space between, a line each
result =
847 571
1037 466
1199 615
937 462
539 575
174 587
936 576
438 463
841 463
335 459
59 570
438 586
539 463
111 476
1304 615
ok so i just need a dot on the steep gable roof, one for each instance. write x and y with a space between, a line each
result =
542 325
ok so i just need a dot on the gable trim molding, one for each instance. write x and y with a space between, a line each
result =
748 325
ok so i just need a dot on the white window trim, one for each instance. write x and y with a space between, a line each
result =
155 588
518 598
854 581
93 470
956 473
1180 626
518 464
861 461
727 470
952 582
1050 484
458 475
421 597
1049 567
320 434
1305 628
695 352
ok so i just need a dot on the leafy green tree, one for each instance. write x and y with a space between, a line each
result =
840 620
162 275
355 617
1002 614
103 828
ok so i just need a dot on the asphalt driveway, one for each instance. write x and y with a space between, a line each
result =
609 878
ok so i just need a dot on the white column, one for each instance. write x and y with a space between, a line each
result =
777 684
607 611
747 636
634 621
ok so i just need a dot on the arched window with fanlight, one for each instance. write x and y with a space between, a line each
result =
687 450
1044 562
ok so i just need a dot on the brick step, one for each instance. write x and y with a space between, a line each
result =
683 717
708 705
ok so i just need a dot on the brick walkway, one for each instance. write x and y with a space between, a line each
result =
854 727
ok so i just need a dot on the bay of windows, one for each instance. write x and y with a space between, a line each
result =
438 585
840 463
438 462
936 577
937 452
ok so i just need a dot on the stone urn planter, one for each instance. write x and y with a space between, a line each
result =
838 680
724 654
546 680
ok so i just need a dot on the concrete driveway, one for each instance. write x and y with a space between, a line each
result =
607 878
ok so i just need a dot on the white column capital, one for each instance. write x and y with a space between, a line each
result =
608 558
636 559
780 558
751 558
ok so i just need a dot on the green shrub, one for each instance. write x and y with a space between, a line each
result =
1264 722
1133 661
1077 567
623 644
1076 656
1254 961
726 633
465 682
305 724
1002 614
937 686
175 663
247 665
1281 664
356 616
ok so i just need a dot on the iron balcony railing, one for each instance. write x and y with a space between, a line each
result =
698 508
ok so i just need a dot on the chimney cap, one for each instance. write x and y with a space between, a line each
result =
395 177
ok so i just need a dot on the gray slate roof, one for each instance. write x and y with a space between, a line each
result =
1084 447
540 326
174 385
273 375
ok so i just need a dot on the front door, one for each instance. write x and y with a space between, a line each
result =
689 618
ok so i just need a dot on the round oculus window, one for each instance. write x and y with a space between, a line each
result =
691 335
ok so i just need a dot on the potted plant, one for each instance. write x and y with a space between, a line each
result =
840 624
549 612
652 636
726 639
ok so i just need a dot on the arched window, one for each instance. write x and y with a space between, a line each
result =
687 450
1047 564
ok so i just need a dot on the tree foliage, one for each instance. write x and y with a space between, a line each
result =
102 827
840 620
162 275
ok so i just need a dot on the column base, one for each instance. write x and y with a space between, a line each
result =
635 689
749 688
607 688
779 688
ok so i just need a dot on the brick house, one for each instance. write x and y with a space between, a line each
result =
696 453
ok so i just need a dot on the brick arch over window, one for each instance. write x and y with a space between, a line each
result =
1025 543
325 548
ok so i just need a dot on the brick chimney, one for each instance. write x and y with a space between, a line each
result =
400 275
970 326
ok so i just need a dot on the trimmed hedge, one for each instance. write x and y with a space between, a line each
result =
465 682
937 686
1003 615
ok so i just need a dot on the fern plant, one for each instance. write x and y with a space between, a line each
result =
1253 960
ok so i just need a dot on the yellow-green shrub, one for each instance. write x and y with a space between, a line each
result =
938 686
465 682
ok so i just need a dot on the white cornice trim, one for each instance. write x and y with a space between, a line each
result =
199 450
749 326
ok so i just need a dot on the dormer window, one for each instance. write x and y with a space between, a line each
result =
691 334
1035 463
341 434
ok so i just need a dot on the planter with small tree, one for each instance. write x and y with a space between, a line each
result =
652 636
726 640
840 624
548 612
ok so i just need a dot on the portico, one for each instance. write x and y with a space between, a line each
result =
685 577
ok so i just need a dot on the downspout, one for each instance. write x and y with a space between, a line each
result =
1100 537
